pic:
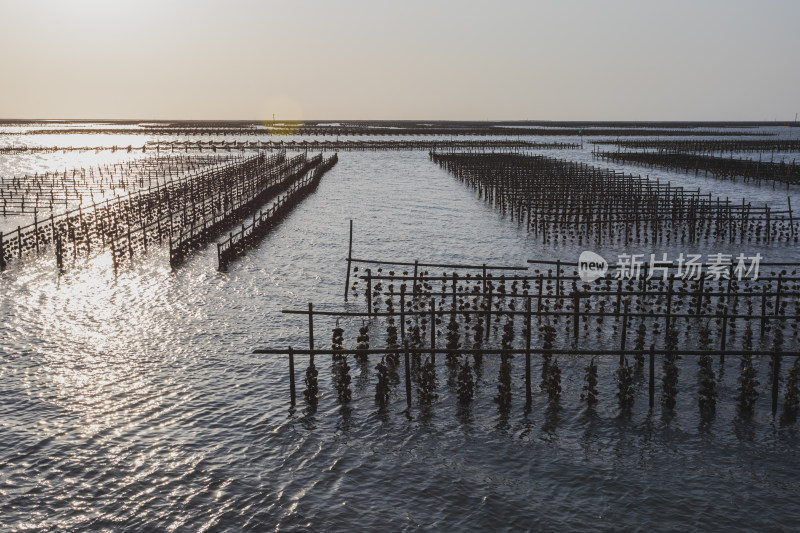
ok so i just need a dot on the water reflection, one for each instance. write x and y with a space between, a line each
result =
139 404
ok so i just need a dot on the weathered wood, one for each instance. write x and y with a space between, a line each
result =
291 376
349 262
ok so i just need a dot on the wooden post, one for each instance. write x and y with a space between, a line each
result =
541 292
766 207
2 253
669 298
528 334
369 291
36 228
791 219
433 331
576 303
489 313
558 277
130 244
402 312
59 254
700 295
349 260
311 329
414 285
763 310
408 376
652 384
623 337
291 375
484 278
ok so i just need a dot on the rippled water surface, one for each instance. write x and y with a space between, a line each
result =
135 402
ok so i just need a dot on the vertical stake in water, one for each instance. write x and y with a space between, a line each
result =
349 261
369 291
59 254
528 334
2 253
539 300
291 375
36 229
408 376
455 282
489 313
700 294
769 236
558 277
433 331
669 299
576 304
403 312
623 337
652 384
414 287
311 330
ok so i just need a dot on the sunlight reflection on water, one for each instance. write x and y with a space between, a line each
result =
135 400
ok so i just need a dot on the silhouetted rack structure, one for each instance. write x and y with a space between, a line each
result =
232 197
706 146
556 290
356 145
183 208
40 195
478 311
15 150
249 234
719 167
564 201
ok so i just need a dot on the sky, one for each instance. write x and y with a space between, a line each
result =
370 59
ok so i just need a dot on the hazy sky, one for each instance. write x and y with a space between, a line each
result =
326 59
